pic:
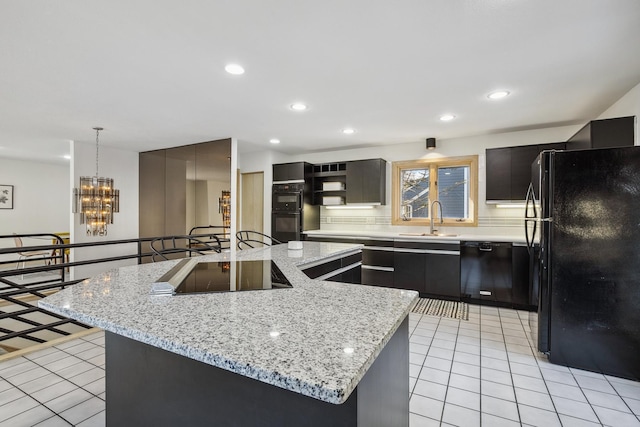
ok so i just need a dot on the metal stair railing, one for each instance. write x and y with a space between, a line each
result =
20 288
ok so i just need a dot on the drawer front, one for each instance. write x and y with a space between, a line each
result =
377 278
428 246
354 240
351 259
352 275
378 256
319 270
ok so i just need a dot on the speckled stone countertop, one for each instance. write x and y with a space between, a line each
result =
392 235
291 338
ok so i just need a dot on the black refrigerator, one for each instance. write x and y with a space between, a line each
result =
584 209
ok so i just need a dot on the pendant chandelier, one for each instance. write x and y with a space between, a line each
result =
96 200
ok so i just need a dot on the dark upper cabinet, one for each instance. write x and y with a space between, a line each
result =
508 170
607 133
291 171
366 181
329 183
498 170
521 159
359 181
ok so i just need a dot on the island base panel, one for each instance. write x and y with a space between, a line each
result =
148 386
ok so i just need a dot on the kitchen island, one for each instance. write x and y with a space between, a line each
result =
319 353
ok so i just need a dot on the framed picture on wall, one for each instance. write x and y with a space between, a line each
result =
6 196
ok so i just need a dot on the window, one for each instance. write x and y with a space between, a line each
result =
417 184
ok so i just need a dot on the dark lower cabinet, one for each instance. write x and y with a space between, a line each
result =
353 275
378 263
350 270
442 276
431 268
409 269
378 277
322 269
346 269
495 273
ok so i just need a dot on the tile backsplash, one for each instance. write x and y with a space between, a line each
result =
509 223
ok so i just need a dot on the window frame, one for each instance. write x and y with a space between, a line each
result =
433 165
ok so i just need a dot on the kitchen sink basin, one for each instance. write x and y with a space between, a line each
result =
429 234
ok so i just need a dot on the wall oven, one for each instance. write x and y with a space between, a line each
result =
286 214
287 197
286 226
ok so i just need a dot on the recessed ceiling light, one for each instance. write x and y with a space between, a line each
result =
447 117
234 69
298 106
498 94
348 131
274 141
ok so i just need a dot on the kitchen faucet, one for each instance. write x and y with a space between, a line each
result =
431 213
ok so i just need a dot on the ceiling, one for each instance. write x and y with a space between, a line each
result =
151 72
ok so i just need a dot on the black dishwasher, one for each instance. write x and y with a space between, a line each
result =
485 272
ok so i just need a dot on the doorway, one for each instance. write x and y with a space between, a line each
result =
252 202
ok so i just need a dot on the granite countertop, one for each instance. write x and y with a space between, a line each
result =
291 338
415 236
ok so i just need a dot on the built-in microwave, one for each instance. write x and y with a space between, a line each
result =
287 197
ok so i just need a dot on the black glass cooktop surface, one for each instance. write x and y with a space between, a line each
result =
233 276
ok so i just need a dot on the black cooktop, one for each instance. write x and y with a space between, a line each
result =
233 276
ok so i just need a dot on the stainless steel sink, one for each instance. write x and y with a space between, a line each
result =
429 235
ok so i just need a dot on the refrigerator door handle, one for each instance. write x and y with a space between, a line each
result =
530 201
530 239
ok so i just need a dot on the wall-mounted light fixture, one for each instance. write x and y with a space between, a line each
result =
96 200
431 143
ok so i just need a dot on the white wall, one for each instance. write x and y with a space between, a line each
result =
492 219
122 166
628 105
497 221
41 197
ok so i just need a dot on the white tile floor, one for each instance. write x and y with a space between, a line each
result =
58 386
485 372
480 372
